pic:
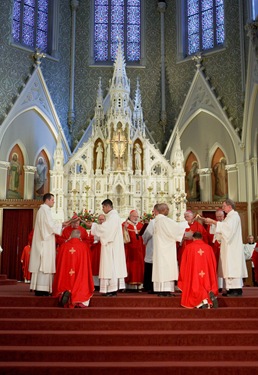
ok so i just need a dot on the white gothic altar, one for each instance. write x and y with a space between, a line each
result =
116 159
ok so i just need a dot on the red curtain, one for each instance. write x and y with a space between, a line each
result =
17 225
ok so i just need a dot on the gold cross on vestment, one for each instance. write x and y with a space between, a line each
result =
200 252
71 272
72 250
201 273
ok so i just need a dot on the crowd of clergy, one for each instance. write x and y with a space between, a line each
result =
196 258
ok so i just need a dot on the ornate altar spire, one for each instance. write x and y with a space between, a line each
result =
99 110
177 155
58 155
120 89
137 112
120 80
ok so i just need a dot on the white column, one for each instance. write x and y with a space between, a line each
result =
254 177
162 8
29 178
205 184
71 115
233 191
4 165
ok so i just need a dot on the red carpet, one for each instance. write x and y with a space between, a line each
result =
128 334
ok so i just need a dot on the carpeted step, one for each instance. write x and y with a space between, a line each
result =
125 312
130 334
73 324
127 353
8 282
128 368
107 338
130 301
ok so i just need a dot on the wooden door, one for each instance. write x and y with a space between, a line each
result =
17 224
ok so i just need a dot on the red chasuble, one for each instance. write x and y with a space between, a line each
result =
134 253
25 260
255 262
194 227
197 275
95 250
215 245
73 271
68 230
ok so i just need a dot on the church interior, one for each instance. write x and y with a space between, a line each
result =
141 102
166 116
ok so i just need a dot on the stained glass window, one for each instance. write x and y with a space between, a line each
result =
116 20
31 23
205 25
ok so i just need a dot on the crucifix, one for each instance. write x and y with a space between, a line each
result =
119 146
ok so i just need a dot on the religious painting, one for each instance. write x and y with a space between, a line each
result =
137 156
15 178
98 155
192 180
219 176
41 183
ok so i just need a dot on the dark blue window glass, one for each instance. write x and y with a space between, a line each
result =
116 20
205 25
31 23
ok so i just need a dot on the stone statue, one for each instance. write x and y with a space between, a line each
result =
193 183
220 174
14 173
138 157
41 176
99 159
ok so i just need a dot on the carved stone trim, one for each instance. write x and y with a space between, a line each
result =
231 167
204 171
213 206
29 168
20 203
4 164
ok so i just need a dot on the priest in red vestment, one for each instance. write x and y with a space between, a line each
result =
194 226
73 281
25 259
255 262
198 276
75 224
214 239
134 252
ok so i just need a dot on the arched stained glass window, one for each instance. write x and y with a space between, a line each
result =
114 20
205 25
31 23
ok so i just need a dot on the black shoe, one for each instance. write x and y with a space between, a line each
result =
214 300
111 294
165 294
204 306
40 293
220 290
65 298
162 294
235 292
